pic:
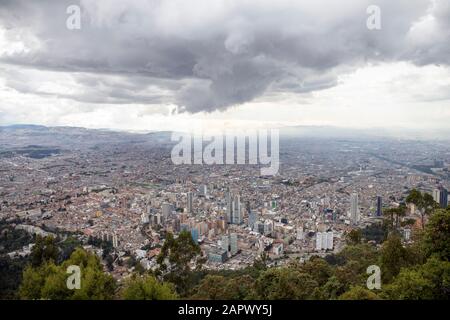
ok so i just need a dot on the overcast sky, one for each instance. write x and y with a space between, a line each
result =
177 64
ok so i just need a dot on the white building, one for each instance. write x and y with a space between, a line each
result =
145 218
324 240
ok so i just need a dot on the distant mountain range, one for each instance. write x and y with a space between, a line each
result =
61 134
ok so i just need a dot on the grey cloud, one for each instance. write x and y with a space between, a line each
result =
215 54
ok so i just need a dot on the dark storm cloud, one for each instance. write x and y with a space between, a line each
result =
208 55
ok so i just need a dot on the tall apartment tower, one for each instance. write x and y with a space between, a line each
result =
354 208
379 206
443 197
440 196
190 199
233 244
237 210
436 195
229 199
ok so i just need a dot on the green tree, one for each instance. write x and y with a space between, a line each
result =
285 284
96 284
393 215
422 282
217 287
318 269
147 288
424 202
49 281
212 287
331 290
354 237
436 240
46 281
359 293
44 250
393 257
175 260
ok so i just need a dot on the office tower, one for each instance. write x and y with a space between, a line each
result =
248 207
319 241
184 227
166 209
115 240
194 234
145 218
379 205
300 234
330 240
177 224
229 207
204 190
237 213
217 256
252 217
189 202
443 197
268 227
259 227
158 219
437 196
225 243
324 240
233 244
354 209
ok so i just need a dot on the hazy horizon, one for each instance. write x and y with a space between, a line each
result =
150 65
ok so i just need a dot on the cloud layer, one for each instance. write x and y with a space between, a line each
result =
208 55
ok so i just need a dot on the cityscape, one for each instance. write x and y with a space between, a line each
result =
127 191
224 150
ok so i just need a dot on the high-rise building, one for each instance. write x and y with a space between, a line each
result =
330 240
379 206
437 195
237 210
300 234
225 243
319 241
443 197
204 190
229 207
324 240
145 218
252 217
115 240
268 227
233 243
229 243
259 227
177 224
194 234
190 199
217 256
440 195
354 208
166 209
